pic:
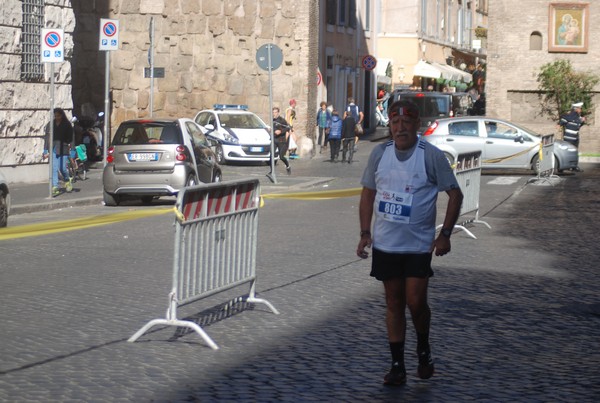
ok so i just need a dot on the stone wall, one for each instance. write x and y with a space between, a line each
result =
512 68
25 106
208 50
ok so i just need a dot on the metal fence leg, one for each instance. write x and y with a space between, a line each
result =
253 299
173 321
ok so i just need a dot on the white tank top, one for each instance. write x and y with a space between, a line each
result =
405 203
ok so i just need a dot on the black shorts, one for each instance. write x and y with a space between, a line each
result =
386 266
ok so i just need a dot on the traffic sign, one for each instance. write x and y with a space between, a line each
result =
109 34
53 45
369 62
263 53
319 78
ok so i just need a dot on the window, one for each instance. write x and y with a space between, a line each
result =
330 12
32 70
463 129
342 13
423 17
535 41
352 13
367 13
500 130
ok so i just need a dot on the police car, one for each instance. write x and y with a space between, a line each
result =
238 134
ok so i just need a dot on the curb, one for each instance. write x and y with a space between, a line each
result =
54 205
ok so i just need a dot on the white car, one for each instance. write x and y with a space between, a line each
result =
503 144
4 201
238 134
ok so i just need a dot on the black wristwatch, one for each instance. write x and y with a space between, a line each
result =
365 232
446 232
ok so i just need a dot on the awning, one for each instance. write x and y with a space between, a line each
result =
424 69
437 70
381 70
462 75
448 72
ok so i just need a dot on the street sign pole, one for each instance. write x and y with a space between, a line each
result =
52 51
271 175
151 61
107 137
109 41
50 142
269 57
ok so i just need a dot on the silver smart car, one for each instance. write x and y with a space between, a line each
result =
157 157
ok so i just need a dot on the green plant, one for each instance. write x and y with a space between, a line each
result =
562 86
481 32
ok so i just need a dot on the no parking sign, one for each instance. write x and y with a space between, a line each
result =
53 45
369 62
109 34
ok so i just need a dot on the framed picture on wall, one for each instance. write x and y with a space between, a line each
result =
568 26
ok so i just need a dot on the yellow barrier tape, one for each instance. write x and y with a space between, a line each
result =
495 160
320 195
179 215
76 223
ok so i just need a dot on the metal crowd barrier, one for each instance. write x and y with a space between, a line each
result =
468 175
545 169
215 248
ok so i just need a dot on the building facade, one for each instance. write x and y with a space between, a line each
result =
25 93
522 38
347 46
432 42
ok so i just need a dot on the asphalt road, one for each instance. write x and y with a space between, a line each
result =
516 312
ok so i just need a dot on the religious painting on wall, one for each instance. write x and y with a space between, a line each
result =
568 26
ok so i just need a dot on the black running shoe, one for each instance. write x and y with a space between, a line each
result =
425 370
396 376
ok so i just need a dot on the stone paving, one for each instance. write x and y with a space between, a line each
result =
516 312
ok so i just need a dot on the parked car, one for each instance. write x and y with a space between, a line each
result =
157 157
507 144
238 134
4 201
435 105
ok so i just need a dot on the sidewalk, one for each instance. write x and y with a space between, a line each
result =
33 197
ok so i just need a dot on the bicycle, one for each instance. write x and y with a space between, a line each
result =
77 163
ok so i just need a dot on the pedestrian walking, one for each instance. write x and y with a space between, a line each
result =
400 187
290 118
323 124
358 115
60 150
571 123
281 131
335 136
348 138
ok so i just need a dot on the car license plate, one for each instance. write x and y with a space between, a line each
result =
256 149
142 156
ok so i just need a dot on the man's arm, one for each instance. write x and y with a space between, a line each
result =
441 245
365 214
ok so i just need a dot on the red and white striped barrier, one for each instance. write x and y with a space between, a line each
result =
215 247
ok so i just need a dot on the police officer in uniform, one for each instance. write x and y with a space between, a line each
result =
571 123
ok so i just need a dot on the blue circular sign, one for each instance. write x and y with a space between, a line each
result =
52 39
109 29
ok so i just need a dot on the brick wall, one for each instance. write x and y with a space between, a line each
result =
512 68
